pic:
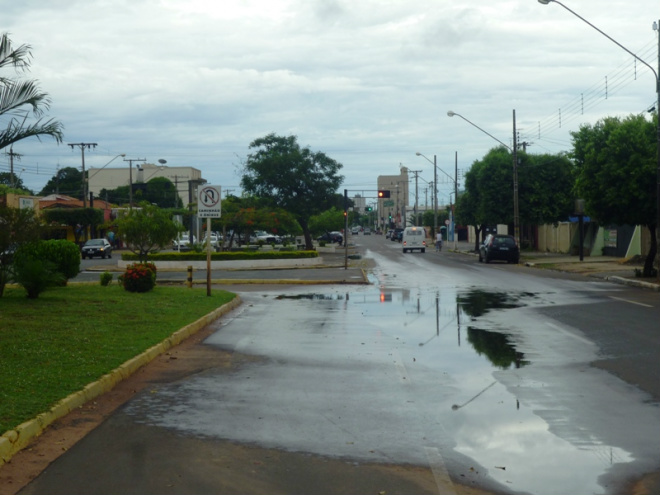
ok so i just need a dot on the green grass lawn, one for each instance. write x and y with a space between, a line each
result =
70 336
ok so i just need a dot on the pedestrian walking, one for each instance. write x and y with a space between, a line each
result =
438 242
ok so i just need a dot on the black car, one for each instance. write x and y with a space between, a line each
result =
499 247
331 237
397 234
97 247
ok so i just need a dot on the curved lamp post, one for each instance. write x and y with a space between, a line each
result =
514 152
435 192
657 90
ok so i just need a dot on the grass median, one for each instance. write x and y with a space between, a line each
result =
70 336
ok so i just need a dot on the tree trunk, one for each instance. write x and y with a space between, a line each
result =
477 233
306 233
653 250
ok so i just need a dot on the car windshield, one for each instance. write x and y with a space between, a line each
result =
95 242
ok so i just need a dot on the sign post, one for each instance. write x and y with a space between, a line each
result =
209 206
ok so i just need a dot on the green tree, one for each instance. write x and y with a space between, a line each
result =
68 181
616 173
327 221
545 188
17 227
79 219
147 229
295 179
161 191
21 98
7 179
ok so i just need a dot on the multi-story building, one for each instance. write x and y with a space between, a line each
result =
392 210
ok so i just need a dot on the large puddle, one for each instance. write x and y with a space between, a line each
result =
380 375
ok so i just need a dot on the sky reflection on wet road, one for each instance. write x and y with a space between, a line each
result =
421 361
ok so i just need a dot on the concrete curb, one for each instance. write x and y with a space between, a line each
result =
633 283
15 440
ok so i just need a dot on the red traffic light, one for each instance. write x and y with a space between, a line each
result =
383 193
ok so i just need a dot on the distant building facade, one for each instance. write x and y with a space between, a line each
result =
112 178
392 210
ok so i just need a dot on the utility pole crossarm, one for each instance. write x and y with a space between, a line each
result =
82 147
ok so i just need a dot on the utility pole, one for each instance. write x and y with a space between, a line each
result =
130 178
516 211
416 172
11 165
82 147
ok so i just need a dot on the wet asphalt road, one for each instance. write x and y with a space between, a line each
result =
482 372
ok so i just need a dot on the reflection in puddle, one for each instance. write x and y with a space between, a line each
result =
478 302
381 375
496 347
313 297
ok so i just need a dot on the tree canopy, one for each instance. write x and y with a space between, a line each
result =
545 185
67 180
295 179
21 98
8 178
146 229
616 173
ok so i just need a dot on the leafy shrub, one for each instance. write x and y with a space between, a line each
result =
139 277
64 256
106 278
36 275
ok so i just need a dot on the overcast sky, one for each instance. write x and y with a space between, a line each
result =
368 82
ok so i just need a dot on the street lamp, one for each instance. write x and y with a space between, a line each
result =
657 90
435 190
514 152
455 182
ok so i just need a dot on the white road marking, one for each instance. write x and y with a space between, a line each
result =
439 470
631 302
569 334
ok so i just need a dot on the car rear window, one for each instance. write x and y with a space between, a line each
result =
504 241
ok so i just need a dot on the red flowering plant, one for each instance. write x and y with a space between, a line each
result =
139 277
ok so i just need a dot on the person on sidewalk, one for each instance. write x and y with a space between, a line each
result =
438 242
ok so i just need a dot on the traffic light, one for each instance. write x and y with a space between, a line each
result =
383 193
369 208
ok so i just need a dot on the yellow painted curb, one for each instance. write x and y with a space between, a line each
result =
15 440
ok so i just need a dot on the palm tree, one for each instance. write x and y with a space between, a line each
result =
16 94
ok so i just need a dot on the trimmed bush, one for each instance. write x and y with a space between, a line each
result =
36 275
106 278
62 254
225 255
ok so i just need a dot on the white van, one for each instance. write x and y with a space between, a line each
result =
414 238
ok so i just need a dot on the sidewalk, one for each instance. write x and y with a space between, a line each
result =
610 268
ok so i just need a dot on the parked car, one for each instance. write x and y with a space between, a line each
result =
266 237
397 234
214 239
331 237
499 247
97 247
414 238
182 243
